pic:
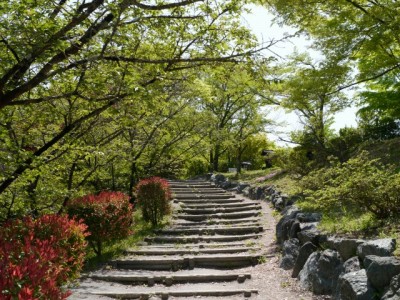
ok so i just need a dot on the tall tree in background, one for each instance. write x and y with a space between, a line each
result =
361 33
231 104
308 88
91 91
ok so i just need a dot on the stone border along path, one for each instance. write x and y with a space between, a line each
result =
219 246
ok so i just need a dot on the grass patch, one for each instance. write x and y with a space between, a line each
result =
273 176
360 225
140 229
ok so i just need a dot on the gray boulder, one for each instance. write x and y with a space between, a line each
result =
226 184
351 265
382 247
279 203
321 272
304 253
241 186
246 191
381 270
294 229
290 252
393 292
284 225
355 286
260 193
347 248
217 178
310 233
309 217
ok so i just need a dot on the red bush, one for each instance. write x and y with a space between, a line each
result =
153 197
38 256
108 216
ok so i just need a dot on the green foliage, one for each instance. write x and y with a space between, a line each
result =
344 145
387 151
196 166
38 257
108 216
357 187
233 107
96 95
153 198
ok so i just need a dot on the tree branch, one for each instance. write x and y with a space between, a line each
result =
163 6
365 80
28 162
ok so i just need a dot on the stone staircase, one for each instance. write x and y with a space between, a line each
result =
203 254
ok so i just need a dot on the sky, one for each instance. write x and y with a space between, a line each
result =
260 21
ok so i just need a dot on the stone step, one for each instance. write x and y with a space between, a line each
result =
206 192
200 197
201 238
233 215
174 263
216 222
191 186
207 226
190 246
211 230
221 209
192 251
169 279
185 291
209 201
209 189
217 205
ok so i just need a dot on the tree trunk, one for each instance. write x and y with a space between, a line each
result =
133 178
239 161
216 157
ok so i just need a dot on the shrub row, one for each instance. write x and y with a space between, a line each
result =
108 216
358 186
38 256
153 195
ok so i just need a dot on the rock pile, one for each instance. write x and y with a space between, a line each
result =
346 268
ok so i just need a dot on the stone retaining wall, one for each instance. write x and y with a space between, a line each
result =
345 268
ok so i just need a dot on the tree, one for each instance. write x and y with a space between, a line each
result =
232 104
380 112
361 33
307 88
86 87
44 42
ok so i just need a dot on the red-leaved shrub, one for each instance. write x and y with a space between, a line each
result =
38 256
108 216
153 197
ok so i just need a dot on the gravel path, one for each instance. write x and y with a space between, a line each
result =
272 281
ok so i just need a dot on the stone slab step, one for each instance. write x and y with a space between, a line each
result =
208 201
191 186
217 226
216 205
216 222
201 211
199 191
249 243
165 295
192 251
169 279
227 261
199 239
233 215
212 230
192 196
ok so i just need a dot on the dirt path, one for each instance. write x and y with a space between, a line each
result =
273 282
220 246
